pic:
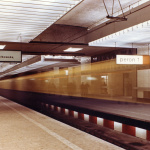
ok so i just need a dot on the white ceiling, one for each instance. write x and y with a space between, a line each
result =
22 21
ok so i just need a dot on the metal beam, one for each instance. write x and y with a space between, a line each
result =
135 16
62 43
26 63
43 48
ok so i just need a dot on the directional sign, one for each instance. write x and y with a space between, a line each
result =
10 56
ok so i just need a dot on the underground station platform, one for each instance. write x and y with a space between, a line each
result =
24 128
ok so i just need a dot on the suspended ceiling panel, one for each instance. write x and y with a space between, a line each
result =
22 21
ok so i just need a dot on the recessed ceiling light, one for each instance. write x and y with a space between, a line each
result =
58 57
72 49
2 46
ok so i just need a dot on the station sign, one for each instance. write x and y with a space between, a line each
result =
133 59
129 59
10 56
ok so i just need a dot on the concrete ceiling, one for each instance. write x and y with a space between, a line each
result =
83 23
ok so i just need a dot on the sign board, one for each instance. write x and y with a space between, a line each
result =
10 56
129 59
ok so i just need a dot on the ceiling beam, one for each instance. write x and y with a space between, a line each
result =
134 17
62 33
62 43
43 48
26 63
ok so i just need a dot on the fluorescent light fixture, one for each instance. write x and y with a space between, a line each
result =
58 57
66 71
2 46
104 77
91 78
32 79
73 49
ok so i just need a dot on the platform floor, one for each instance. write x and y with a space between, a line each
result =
24 129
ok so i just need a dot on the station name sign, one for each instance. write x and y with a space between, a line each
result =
10 56
129 59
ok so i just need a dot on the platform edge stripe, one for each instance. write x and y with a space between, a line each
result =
103 122
76 114
52 107
117 126
148 135
141 133
86 117
93 119
100 121
59 109
81 116
127 129
71 113
66 111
